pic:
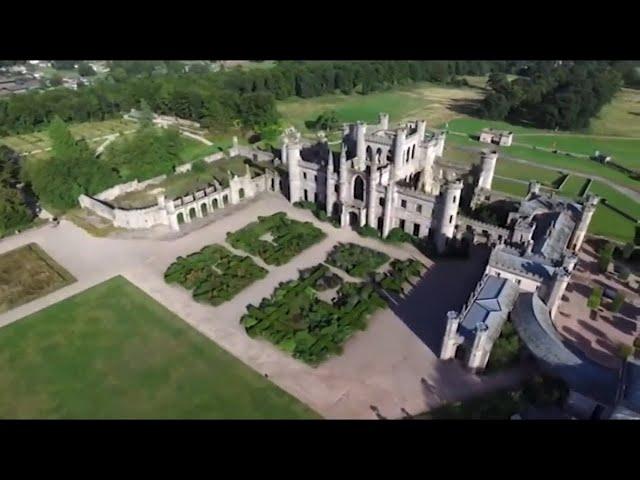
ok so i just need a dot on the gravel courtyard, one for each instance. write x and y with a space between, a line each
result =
386 369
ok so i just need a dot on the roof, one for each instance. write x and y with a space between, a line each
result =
496 132
491 307
532 321
529 266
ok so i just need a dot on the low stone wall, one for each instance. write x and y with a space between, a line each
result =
97 207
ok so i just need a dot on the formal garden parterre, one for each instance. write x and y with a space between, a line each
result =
308 328
276 239
214 274
356 260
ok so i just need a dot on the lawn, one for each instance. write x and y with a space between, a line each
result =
435 103
609 222
510 187
523 171
27 273
574 186
113 352
620 117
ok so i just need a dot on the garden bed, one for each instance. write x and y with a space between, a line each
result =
214 274
356 260
276 239
310 329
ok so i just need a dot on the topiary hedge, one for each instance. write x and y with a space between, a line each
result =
214 274
295 320
356 260
289 238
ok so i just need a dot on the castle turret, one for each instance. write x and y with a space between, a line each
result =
283 153
361 130
293 159
371 197
398 150
441 139
487 168
588 209
344 181
534 188
389 202
479 354
449 202
383 120
558 286
331 192
422 129
451 338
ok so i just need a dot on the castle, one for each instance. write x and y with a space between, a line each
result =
384 178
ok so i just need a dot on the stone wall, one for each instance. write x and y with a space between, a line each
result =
123 188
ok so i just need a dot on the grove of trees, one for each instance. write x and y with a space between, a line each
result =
14 212
562 96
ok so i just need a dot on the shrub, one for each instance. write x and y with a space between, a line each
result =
617 302
398 235
368 231
594 300
506 349
356 260
604 259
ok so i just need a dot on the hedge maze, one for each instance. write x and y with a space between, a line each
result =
356 260
214 274
308 328
285 238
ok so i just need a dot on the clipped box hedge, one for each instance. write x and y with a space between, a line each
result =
289 238
214 274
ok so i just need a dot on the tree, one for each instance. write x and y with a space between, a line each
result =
495 106
499 83
146 115
86 70
617 302
594 300
604 259
55 80
326 121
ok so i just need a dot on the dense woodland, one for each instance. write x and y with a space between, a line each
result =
552 96
14 212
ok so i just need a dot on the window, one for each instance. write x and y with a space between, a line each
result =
402 224
306 196
454 199
419 208
304 175
403 204
381 201
336 188
518 281
315 177
416 229
450 218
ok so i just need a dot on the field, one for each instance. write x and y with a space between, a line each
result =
511 187
435 103
112 352
27 273
611 222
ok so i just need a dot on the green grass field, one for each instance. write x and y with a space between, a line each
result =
522 171
512 188
422 100
573 187
113 352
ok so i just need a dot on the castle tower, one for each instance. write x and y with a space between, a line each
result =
588 209
371 196
344 181
450 200
559 285
488 166
422 129
330 196
398 150
478 356
283 153
361 146
440 143
293 159
451 338
383 120
534 188
389 202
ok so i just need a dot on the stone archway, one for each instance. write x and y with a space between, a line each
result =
241 193
214 204
358 188
192 213
204 210
180 218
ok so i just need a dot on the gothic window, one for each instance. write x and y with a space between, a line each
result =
413 151
403 204
381 201
358 188
304 175
369 153
419 208
416 229
402 222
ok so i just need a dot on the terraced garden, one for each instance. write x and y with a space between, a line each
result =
356 260
276 239
214 274
308 328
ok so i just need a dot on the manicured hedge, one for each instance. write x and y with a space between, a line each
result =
401 272
356 260
310 329
290 237
214 274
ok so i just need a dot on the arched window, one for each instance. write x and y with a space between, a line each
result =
413 151
241 193
378 155
358 188
204 209
369 153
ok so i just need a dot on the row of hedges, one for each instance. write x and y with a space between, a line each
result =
318 211
290 237
295 320
401 272
214 274
356 260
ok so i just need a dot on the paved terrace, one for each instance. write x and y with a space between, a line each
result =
387 366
